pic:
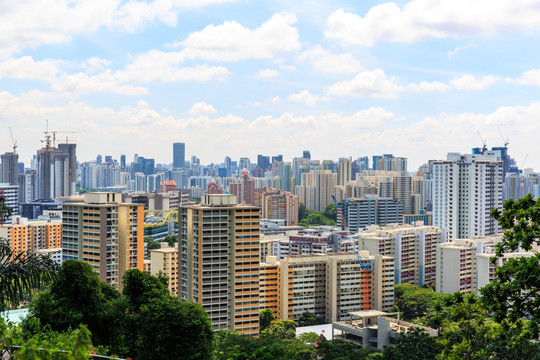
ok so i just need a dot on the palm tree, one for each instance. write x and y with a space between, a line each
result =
21 273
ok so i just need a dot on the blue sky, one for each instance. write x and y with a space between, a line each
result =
415 78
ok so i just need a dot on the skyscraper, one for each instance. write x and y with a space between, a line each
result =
70 149
219 261
53 173
179 155
10 168
465 190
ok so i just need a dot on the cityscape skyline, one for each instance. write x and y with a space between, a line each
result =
251 78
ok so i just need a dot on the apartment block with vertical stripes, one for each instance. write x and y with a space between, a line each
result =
102 231
329 286
219 261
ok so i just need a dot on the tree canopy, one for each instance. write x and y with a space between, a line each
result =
515 291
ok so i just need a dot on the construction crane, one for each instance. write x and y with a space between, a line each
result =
484 147
523 163
52 133
364 265
344 225
504 141
13 141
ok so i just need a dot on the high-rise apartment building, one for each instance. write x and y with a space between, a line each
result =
102 231
279 204
329 286
412 246
53 171
219 261
465 190
179 155
344 171
243 189
34 235
317 189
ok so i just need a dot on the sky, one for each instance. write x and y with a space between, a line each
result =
238 78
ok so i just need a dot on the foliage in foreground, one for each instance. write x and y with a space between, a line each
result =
144 322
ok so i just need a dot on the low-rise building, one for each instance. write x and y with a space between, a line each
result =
165 260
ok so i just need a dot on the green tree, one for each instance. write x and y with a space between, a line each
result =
281 329
5 211
515 291
302 212
413 345
309 319
330 212
266 316
171 239
21 274
77 296
413 301
151 243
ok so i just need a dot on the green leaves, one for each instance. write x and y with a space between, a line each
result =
21 274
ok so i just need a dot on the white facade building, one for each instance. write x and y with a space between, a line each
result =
465 190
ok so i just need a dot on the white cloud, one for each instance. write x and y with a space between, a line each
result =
325 62
275 100
367 83
373 130
232 41
31 23
202 109
80 83
469 82
27 68
306 97
460 48
429 86
531 77
425 19
267 73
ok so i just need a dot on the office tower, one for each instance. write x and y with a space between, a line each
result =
104 232
10 169
465 190
370 210
27 187
285 175
344 171
165 261
71 151
279 204
10 193
263 162
244 164
243 189
329 286
412 246
99 159
306 155
219 261
179 155
123 161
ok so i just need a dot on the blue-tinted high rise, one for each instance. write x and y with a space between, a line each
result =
179 155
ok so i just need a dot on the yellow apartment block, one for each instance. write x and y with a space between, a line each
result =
219 261
105 233
32 235
165 260
329 286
